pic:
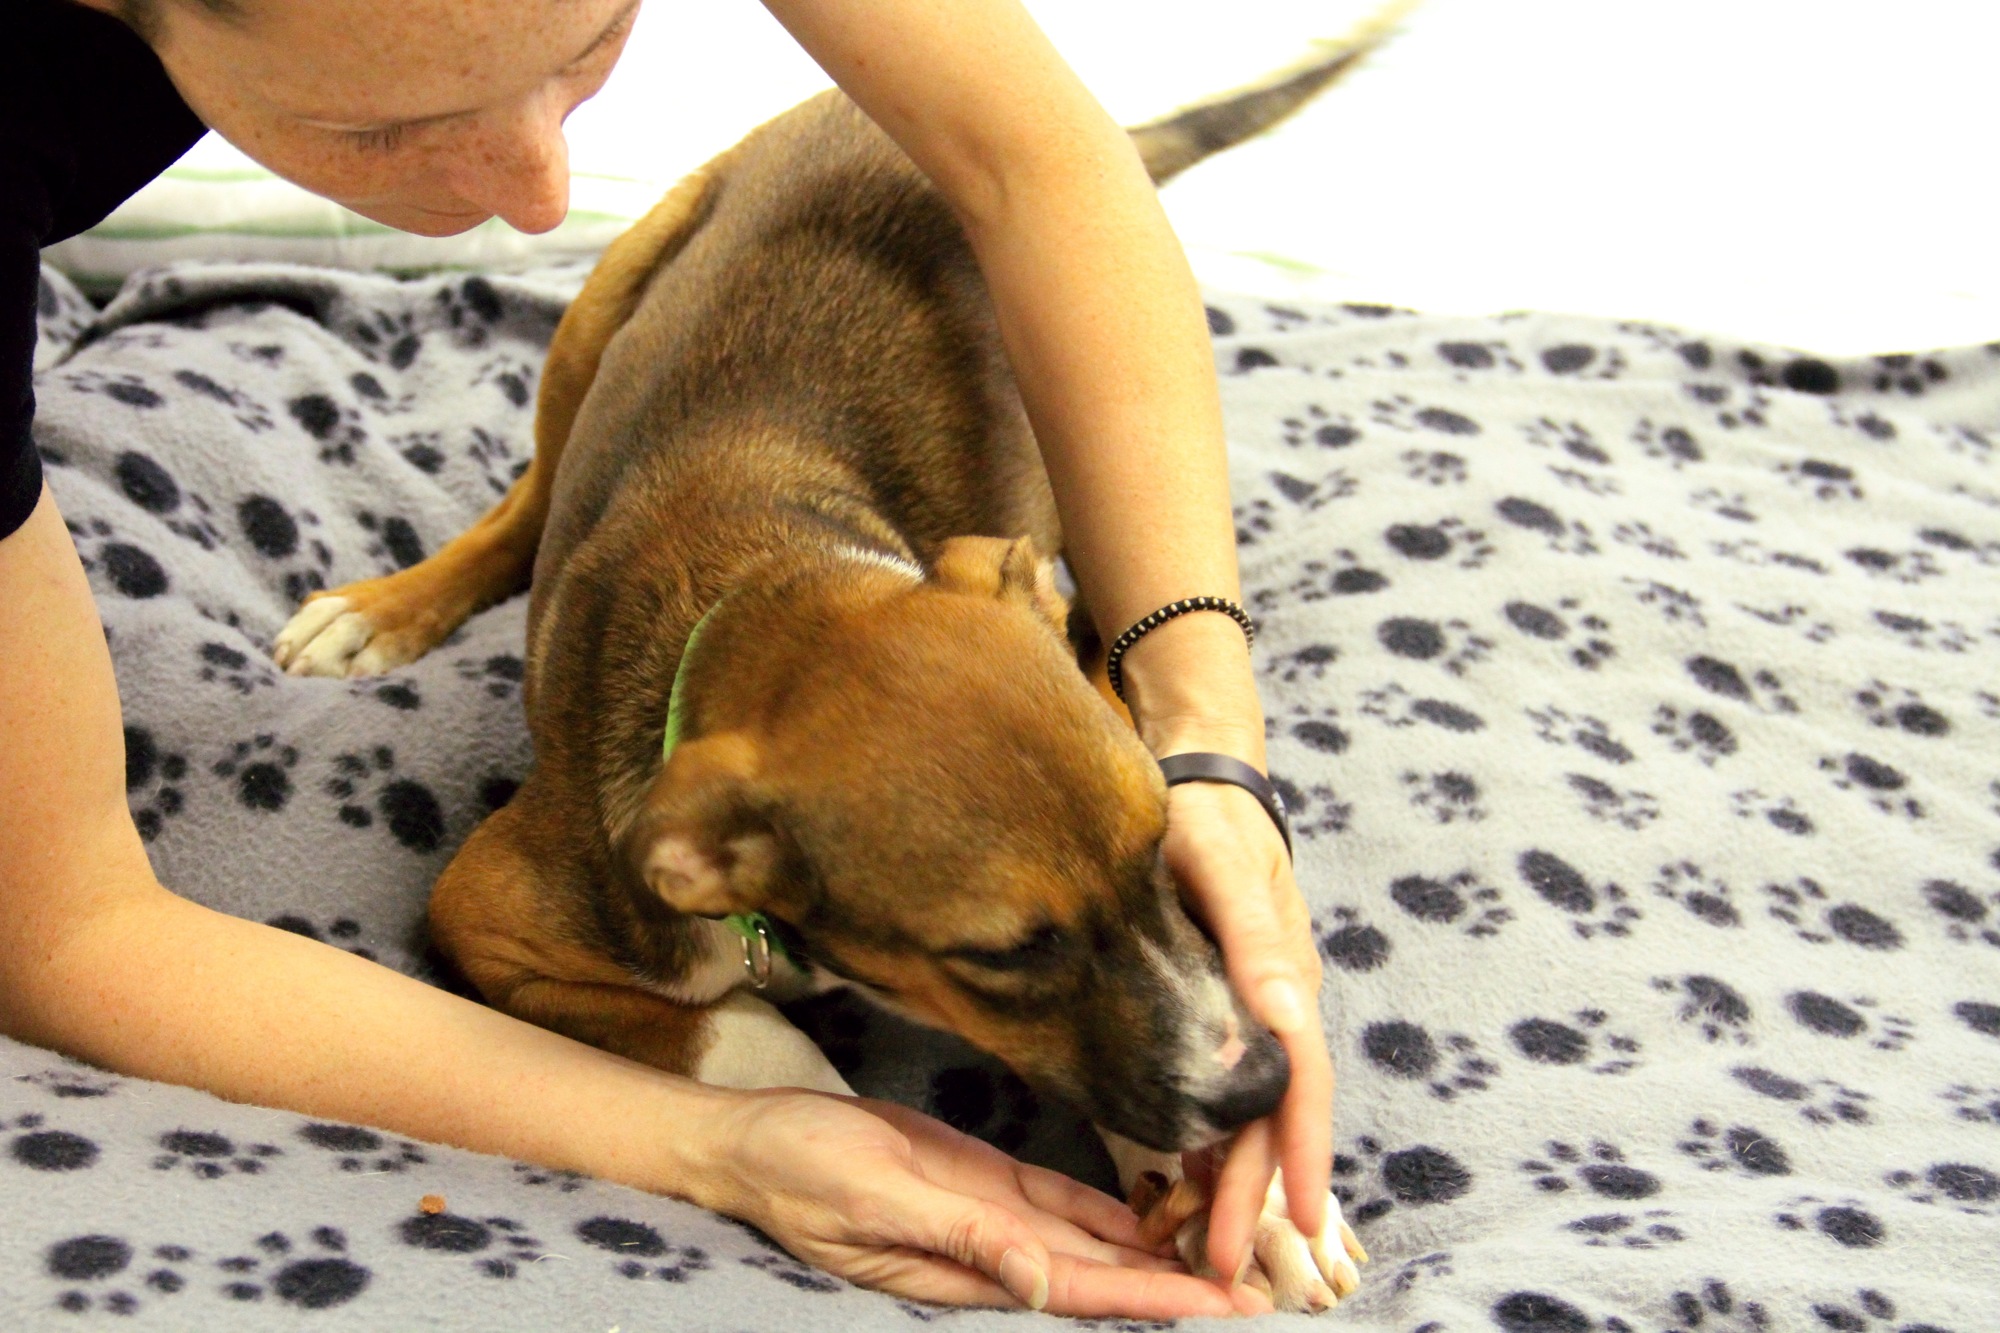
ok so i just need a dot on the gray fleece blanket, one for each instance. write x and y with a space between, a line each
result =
1635 694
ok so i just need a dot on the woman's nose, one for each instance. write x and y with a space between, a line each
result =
517 167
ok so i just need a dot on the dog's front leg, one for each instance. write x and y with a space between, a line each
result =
755 1046
1299 1273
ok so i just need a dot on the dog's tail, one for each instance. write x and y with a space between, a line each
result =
1174 143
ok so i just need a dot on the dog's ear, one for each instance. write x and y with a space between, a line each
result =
705 841
1002 568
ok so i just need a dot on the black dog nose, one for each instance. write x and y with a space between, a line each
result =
1255 1086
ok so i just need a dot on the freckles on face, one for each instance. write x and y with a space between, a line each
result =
426 115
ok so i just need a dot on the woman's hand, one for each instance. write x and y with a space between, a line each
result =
892 1199
1232 867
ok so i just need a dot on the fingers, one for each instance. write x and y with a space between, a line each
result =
1091 1211
974 1234
1304 1132
1080 1287
1240 1189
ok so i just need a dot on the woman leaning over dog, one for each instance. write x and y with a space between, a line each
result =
431 116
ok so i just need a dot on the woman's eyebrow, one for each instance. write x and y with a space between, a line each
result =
610 29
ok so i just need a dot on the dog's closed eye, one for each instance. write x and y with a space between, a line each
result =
1044 948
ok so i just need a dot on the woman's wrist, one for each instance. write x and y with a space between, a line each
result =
1190 686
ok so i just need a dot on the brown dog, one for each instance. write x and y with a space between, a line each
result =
780 412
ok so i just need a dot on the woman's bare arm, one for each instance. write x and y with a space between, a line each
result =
98 960
1104 326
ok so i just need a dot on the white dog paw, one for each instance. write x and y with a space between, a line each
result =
327 638
1305 1274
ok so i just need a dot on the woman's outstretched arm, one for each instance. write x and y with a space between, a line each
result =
99 961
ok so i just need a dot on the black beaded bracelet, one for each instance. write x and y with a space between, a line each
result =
1114 660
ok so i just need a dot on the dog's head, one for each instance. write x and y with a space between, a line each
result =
923 787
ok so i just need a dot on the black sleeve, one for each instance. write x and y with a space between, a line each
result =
20 466
87 116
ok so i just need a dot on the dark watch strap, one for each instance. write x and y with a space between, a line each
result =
1201 766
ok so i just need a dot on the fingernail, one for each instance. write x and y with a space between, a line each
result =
1243 1266
1281 1004
1025 1279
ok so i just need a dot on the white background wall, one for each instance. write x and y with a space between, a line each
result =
1812 172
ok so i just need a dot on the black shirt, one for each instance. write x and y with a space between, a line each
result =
87 116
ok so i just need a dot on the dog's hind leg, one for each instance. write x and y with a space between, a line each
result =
366 628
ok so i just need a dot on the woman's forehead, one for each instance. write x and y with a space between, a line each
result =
366 62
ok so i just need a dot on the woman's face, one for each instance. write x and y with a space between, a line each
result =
427 115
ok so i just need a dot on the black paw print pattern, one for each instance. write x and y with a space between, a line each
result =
150 486
1780 812
1309 663
1342 574
497 459
278 534
1706 898
1674 606
1669 443
1370 1182
1446 1065
1966 916
334 427
1581 636
1629 808
262 770
1447 542
356 1150
1821 1101
152 782
342 932
1854 1017
1740 1148
1434 467
117 565
1883 786
1805 905
1436 1264
1846 1222
1317 428
209 1155
1563 536
1593 735
1405 416
1793 616
1600 1168
1594 909
407 808
1447 797
1576 1041
1644 1229
1709 1005
1395 707
1568 437
1305 496
1964 1186
315 1276
1448 643
642 1253
226 665
501 1244
499 675
1349 943
1459 900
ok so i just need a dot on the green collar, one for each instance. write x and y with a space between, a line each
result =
759 940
